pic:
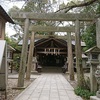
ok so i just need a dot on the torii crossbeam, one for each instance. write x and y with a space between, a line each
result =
53 16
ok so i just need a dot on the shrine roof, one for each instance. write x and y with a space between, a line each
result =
43 39
93 49
5 15
10 48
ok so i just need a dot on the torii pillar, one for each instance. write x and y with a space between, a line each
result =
80 75
30 57
70 57
23 55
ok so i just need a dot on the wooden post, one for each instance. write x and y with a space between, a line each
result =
80 75
30 57
98 32
70 58
23 55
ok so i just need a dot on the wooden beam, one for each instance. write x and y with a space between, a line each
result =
51 29
53 16
60 42
43 42
51 48
53 36
88 23
43 52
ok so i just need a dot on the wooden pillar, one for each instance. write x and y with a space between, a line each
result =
2 28
70 57
80 75
30 57
23 55
98 32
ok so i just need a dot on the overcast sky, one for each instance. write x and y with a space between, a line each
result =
7 5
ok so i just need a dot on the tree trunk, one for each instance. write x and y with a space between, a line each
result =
30 56
80 75
70 58
23 55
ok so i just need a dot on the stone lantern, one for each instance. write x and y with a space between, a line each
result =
93 61
84 59
93 54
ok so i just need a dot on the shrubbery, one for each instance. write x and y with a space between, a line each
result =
84 93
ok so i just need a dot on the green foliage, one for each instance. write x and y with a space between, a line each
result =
98 9
89 36
37 6
12 43
16 61
16 57
84 93
30 6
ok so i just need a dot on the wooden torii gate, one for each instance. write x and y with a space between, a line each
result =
51 17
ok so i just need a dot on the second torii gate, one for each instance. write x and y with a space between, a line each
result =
51 17
52 29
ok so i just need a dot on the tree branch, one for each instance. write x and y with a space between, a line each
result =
77 5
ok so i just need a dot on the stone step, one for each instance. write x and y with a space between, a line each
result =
51 69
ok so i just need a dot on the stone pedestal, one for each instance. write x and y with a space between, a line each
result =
93 81
97 75
34 66
94 98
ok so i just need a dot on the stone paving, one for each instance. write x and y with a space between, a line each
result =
49 87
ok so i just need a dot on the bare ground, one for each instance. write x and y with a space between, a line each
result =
11 92
73 83
12 83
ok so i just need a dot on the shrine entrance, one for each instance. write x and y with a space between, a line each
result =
52 60
51 52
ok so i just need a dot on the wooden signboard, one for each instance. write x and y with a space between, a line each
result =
3 65
0 28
